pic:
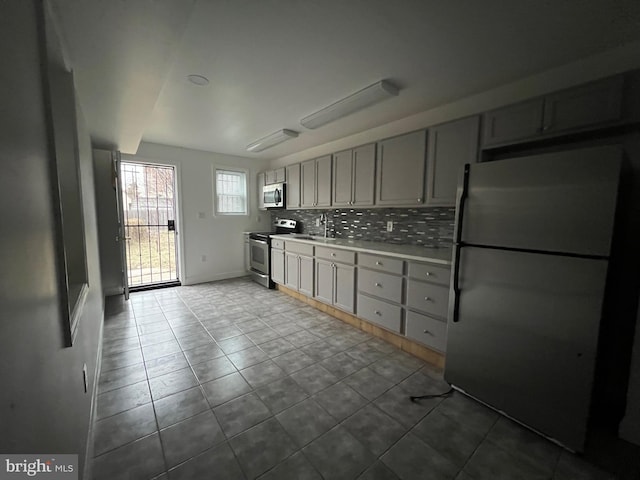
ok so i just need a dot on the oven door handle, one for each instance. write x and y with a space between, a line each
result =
258 241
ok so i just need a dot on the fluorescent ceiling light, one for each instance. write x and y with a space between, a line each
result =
348 105
271 140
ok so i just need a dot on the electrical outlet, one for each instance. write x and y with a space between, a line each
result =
317 222
390 226
85 378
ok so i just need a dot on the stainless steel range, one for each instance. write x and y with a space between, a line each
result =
260 251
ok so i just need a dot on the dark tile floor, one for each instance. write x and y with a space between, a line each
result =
229 380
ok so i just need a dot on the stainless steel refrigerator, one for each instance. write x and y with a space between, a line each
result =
532 240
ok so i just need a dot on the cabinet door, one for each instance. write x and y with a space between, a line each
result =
323 181
306 275
279 175
293 186
344 287
308 183
401 168
261 183
342 178
450 146
590 104
247 253
277 265
364 175
515 122
324 281
269 177
292 273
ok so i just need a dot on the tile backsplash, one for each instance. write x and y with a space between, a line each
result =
429 226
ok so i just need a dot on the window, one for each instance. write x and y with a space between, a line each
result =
231 192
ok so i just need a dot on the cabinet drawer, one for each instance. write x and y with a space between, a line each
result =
385 264
276 243
380 284
380 312
427 330
429 272
428 298
336 255
301 248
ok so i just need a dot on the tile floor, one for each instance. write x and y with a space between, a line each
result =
228 380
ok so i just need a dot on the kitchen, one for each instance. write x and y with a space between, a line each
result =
211 244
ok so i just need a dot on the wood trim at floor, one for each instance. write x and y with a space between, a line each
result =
399 341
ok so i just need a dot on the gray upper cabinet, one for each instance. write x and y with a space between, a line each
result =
401 170
274 176
450 146
315 183
293 186
515 122
354 176
579 107
323 181
342 178
308 183
261 184
582 107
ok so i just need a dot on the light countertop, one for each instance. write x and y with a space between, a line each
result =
407 252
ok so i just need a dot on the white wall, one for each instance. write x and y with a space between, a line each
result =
608 63
110 264
43 405
217 238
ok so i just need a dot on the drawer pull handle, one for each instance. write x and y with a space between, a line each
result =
428 299
333 254
427 332
377 312
378 284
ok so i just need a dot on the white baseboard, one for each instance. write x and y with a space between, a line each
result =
195 279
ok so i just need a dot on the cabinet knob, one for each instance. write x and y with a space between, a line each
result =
419 200
427 332
333 254
428 274
546 127
377 312
378 284
428 299
378 263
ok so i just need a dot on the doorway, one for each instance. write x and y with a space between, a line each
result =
150 228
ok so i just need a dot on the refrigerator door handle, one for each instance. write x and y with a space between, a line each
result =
462 196
454 282
460 201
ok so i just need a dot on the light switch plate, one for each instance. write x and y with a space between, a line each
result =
390 226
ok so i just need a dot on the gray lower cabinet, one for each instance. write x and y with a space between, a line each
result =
315 182
594 104
354 176
427 330
450 146
277 265
382 313
335 284
299 273
400 170
292 188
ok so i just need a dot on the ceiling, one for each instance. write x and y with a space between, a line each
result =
272 62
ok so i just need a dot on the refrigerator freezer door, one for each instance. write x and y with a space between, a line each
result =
526 338
559 202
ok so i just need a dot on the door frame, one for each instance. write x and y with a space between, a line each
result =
180 264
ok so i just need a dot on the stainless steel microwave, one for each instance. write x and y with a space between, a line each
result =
273 195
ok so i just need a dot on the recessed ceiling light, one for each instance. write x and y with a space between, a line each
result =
199 80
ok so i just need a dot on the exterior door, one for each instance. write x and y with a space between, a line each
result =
148 198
